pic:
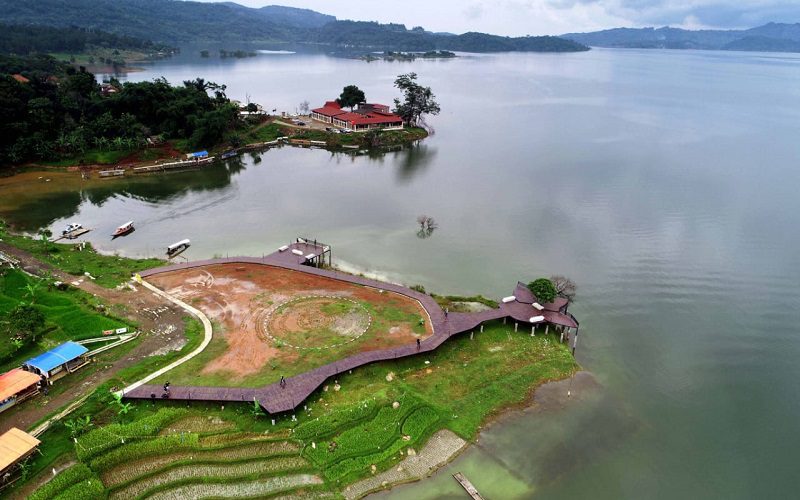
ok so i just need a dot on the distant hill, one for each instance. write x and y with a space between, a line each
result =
772 37
177 22
290 16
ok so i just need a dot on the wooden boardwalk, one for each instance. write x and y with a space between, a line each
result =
467 485
277 398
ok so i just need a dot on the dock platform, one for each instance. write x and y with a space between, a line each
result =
467 485
72 235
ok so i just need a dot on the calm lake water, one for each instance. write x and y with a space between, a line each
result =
664 182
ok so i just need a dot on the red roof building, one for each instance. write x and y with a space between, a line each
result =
365 117
20 78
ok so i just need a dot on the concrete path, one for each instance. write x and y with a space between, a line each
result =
208 334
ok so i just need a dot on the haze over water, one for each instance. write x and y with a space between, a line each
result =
665 183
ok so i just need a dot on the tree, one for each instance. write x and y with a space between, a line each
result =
351 95
417 100
78 426
45 235
305 106
565 287
25 321
544 289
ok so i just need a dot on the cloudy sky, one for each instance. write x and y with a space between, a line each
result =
521 17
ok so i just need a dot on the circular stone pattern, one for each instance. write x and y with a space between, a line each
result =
317 322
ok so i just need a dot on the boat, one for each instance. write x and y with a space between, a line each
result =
123 229
71 228
177 248
229 154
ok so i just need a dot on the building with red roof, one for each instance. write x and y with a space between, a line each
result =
365 117
20 78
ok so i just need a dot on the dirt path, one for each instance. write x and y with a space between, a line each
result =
159 321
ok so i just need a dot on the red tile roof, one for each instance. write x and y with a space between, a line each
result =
369 118
20 78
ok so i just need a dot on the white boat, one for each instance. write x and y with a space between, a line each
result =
177 248
123 229
71 228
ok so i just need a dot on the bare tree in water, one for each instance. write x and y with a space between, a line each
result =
565 287
427 225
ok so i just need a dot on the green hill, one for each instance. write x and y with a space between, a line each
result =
179 22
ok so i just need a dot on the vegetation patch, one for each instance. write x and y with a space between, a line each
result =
35 316
107 270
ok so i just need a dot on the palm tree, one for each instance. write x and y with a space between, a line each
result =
118 142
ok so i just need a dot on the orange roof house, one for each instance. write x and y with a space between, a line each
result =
15 446
20 78
16 386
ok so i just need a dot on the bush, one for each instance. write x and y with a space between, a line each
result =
544 289
63 481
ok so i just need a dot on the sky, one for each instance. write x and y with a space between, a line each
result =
552 17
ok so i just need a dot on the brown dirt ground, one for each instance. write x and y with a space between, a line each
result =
238 296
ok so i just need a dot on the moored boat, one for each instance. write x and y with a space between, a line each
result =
178 248
123 229
71 228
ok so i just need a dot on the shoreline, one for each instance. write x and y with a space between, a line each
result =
548 396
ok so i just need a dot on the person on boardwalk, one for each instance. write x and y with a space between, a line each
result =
418 344
283 381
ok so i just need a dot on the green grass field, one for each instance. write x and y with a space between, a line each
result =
70 315
108 270
233 449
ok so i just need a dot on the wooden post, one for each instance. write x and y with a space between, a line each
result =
516 327
481 328
533 330
471 335
575 342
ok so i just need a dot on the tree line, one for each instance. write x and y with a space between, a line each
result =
28 39
60 111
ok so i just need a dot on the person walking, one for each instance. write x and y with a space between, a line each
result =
418 344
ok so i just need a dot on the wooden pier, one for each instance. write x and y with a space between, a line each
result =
161 167
72 235
467 485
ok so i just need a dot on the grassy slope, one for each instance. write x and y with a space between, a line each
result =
70 315
108 270
465 383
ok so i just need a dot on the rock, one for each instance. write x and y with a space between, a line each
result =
396 405
373 468
427 362
411 452
337 387
406 438
390 377
325 389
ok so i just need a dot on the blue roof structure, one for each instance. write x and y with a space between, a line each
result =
200 154
57 357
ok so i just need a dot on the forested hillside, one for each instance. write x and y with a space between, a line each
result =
50 110
27 39
177 22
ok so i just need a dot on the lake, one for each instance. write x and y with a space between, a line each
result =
663 182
